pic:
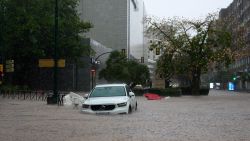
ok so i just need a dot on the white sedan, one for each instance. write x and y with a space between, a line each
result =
110 99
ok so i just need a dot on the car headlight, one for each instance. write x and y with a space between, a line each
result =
85 106
122 104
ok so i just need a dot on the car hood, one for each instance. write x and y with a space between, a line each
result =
106 100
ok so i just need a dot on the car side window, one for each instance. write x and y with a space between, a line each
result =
128 89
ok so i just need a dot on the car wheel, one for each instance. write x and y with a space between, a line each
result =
129 110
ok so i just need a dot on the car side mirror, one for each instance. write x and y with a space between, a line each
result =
131 94
85 96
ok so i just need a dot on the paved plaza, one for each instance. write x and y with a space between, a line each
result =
221 116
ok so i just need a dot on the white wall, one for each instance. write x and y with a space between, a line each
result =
137 29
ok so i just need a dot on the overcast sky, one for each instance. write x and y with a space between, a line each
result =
192 9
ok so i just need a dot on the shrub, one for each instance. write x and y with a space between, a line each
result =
204 91
12 88
188 91
9 88
138 92
173 92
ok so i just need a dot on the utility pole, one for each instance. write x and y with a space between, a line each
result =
55 89
2 6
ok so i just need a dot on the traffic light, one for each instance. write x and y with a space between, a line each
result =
124 52
234 78
142 59
157 51
92 60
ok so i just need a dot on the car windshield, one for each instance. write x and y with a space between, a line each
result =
108 91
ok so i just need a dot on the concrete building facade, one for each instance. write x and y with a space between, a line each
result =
239 12
118 24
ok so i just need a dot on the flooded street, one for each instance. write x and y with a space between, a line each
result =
221 116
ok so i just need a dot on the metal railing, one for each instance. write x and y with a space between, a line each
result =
30 95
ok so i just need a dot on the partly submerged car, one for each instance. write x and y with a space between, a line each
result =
110 99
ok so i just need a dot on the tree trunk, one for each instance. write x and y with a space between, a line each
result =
195 85
167 83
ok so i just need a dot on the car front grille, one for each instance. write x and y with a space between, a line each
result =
102 107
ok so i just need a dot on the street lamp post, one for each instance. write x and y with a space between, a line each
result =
102 55
94 61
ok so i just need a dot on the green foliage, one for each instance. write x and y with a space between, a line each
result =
115 70
29 28
7 88
173 92
28 33
119 69
190 46
188 91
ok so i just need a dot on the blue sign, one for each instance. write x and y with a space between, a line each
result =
231 86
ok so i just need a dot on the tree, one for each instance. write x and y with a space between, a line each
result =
138 73
190 46
169 65
115 68
119 69
29 33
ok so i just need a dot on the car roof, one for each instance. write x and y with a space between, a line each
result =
108 85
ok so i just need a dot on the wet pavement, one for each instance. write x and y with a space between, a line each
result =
221 116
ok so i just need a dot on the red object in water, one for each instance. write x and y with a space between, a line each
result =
152 96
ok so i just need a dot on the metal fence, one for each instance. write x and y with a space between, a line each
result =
30 95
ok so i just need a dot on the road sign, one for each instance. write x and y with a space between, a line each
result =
61 63
49 63
231 86
9 65
9 61
1 73
1 67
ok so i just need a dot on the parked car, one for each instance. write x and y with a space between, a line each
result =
110 99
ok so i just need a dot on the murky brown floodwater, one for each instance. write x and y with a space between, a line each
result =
221 116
